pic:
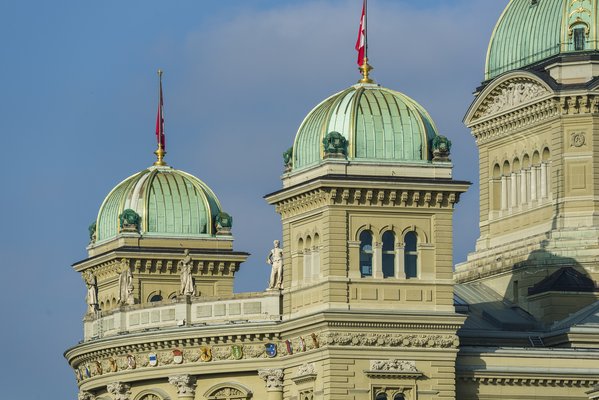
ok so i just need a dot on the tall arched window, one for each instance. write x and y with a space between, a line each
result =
381 396
411 255
579 36
388 254
399 396
366 253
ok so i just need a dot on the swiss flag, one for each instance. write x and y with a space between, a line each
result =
361 42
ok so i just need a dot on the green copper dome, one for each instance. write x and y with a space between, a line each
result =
169 202
378 125
530 31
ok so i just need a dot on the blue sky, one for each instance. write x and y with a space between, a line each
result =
77 111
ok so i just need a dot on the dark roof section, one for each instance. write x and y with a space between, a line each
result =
565 279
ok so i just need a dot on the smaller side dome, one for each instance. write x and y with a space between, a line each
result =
377 124
169 202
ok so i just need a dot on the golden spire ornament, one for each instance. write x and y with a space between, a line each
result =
365 69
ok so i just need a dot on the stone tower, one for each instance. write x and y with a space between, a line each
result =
535 122
366 208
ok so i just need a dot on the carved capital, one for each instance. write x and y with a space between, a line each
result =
186 384
273 378
83 395
119 390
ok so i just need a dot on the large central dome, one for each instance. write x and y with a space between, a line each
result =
530 31
379 125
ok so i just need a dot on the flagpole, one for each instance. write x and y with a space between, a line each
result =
365 30
365 68
160 152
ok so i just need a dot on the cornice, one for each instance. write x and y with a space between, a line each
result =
417 197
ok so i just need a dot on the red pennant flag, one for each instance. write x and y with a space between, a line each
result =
160 120
361 42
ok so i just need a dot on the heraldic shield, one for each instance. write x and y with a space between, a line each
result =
271 349
237 352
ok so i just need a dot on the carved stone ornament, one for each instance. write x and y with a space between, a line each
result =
288 159
335 145
578 139
273 378
119 390
228 393
511 96
393 365
441 148
92 232
83 395
389 340
186 384
223 223
306 369
305 373
129 221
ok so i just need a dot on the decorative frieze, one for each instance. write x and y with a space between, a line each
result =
532 381
390 340
367 197
394 365
510 95
393 369
185 384
273 377
127 358
119 390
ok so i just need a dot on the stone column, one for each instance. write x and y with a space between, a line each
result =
315 264
533 184
274 382
307 266
354 259
544 180
119 391
377 260
514 190
400 268
185 384
523 188
504 203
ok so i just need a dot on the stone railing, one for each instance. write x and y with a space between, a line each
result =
181 312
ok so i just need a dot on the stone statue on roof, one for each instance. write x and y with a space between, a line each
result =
185 266
275 259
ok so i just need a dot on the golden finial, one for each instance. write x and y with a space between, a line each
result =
365 69
160 152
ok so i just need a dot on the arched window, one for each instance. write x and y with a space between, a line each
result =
155 298
388 254
579 36
381 396
399 396
150 396
366 253
228 391
411 255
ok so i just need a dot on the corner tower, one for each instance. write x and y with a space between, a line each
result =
535 121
